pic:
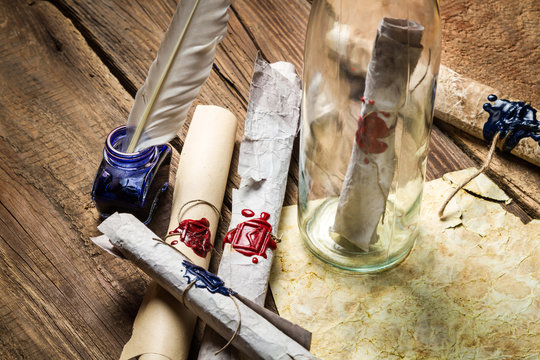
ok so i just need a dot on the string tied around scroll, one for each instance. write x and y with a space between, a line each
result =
195 233
231 296
196 202
236 331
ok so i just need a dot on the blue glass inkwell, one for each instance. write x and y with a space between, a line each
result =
130 182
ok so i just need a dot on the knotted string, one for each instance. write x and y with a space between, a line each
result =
190 285
468 180
235 331
197 201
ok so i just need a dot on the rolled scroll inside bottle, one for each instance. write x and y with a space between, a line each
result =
371 169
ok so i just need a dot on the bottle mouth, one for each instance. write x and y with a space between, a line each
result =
112 151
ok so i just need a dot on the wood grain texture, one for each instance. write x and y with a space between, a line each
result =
69 70
127 34
61 298
497 43
494 42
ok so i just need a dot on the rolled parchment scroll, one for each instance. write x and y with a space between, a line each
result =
371 168
163 327
206 296
270 128
459 102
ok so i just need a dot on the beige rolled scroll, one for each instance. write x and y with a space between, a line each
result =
459 102
163 327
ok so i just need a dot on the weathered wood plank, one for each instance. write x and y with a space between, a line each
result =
286 42
127 35
274 28
51 287
46 152
65 85
277 27
494 42
61 297
119 28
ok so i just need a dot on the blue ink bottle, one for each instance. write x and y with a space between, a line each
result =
130 182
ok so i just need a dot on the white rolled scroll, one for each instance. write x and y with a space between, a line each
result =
200 292
371 169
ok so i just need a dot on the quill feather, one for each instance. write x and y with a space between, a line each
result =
181 67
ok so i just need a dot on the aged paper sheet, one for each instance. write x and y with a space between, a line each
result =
469 289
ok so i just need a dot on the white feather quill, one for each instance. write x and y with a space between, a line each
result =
181 67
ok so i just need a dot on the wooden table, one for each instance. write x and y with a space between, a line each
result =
69 72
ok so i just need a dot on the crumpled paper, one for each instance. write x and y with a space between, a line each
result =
480 185
270 128
256 337
462 211
365 190
470 290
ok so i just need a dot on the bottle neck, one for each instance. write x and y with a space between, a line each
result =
115 157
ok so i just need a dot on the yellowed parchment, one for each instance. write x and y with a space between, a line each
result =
469 289
163 327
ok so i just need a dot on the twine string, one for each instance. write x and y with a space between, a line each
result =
175 248
237 327
470 178
196 202
191 284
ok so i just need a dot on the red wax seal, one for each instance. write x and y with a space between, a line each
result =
247 213
195 234
252 237
370 129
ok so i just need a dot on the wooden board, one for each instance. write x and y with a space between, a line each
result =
69 71
61 297
494 42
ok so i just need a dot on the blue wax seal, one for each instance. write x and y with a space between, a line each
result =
130 182
205 279
514 120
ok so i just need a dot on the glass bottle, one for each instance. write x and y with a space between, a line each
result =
130 182
370 70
